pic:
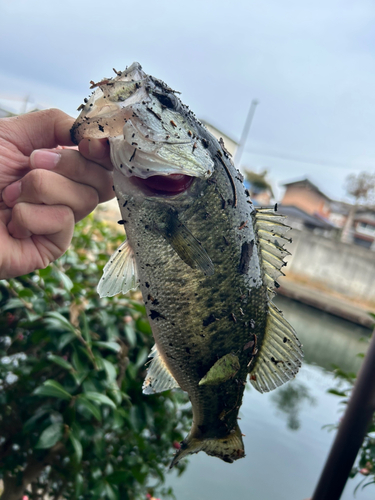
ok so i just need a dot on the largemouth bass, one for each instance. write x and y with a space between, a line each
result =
205 259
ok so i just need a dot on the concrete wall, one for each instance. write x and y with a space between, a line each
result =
345 268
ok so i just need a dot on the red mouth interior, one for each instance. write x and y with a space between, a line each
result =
168 184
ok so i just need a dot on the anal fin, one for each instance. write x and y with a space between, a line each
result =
159 378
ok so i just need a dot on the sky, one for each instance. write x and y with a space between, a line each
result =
310 64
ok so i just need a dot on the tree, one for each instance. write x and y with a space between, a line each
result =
74 423
362 188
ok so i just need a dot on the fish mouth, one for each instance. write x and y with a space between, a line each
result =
167 185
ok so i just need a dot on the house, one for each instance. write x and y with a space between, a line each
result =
363 231
308 197
300 220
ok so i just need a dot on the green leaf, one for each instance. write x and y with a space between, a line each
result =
337 392
113 346
66 281
26 293
60 361
97 397
130 335
65 339
52 388
13 304
61 320
50 436
77 447
78 485
110 369
90 407
118 477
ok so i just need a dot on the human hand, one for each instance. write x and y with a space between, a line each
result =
44 190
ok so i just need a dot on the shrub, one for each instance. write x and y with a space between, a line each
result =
74 423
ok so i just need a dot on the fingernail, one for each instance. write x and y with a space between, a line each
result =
44 159
12 192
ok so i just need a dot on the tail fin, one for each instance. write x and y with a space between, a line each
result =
229 448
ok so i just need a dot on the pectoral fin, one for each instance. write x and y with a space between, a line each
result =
224 369
188 248
120 273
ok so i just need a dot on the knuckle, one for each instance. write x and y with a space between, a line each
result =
36 180
19 215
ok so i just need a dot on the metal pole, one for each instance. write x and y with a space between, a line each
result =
351 431
245 132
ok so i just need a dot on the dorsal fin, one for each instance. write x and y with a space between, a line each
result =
271 232
120 273
158 378
280 355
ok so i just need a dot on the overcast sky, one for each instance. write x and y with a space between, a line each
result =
311 64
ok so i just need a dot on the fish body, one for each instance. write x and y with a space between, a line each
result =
205 259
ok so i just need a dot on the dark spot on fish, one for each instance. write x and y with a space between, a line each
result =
101 128
113 188
120 165
285 340
205 143
134 143
210 319
248 345
226 241
132 156
246 253
153 112
147 285
155 314
187 350
124 205
121 222
275 207
277 284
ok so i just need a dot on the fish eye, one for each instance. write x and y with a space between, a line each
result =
170 101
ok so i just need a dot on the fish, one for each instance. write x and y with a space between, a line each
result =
206 260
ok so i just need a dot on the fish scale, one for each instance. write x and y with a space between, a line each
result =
205 259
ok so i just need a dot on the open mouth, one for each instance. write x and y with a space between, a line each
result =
167 184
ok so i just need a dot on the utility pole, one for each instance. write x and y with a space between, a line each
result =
245 132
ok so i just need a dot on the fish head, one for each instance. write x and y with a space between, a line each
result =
154 139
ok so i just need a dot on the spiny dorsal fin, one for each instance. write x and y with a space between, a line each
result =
271 232
120 273
280 355
158 378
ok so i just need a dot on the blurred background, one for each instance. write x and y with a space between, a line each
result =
306 70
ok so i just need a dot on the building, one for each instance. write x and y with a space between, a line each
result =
308 197
230 144
363 232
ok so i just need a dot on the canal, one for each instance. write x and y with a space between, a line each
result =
285 442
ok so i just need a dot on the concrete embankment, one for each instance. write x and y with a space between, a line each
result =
330 275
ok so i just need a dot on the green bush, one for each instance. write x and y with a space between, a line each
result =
74 423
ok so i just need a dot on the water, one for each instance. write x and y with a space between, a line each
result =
285 444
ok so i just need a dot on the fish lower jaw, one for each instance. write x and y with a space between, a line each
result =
162 185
